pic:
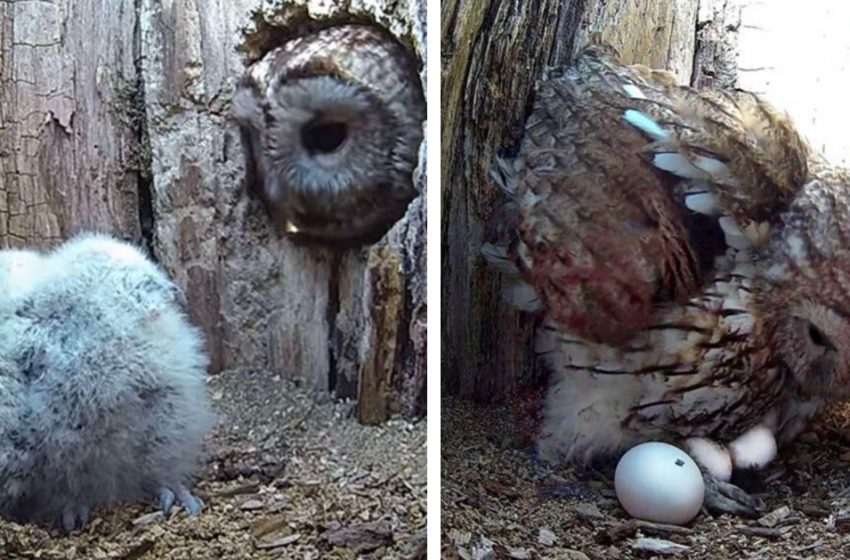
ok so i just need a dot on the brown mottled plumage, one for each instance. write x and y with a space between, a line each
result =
691 259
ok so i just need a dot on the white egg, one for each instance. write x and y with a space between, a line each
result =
659 482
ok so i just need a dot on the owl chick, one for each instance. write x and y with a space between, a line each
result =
689 255
102 390
20 271
331 123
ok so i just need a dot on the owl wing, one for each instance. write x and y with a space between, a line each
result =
736 155
627 188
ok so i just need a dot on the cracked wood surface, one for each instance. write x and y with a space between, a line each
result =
65 159
114 116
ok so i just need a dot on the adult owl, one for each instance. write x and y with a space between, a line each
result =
331 124
689 255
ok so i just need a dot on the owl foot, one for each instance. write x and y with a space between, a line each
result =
724 497
75 517
752 450
182 496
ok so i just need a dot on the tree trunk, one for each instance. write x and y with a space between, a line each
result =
493 51
114 115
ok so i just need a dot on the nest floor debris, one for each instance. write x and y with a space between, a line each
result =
499 502
287 478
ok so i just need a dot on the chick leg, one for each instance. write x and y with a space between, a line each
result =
192 504
75 517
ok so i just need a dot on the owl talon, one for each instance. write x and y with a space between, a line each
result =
166 500
191 504
724 497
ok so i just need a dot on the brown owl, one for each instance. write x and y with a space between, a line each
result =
690 257
331 123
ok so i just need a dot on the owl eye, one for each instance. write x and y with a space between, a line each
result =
818 338
323 137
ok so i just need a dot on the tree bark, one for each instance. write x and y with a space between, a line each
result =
114 115
493 51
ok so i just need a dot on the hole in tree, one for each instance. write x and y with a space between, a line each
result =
323 137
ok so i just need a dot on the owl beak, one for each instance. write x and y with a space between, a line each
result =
289 227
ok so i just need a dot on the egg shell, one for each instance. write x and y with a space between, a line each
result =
659 482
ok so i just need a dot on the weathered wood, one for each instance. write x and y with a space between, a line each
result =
115 115
493 51
69 159
376 374
716 56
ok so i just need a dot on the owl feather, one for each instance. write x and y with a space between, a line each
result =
331 124
102 391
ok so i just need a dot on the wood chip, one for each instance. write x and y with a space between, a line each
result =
498 488
842 523
278 543
662 528
765 532
588 511
252 505
361 537
659 546
147 519
268 525
815 509
618 533
242 489
546 537
139 550
808 547
460 538
775 517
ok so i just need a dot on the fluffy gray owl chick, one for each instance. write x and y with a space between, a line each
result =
331 123
102 391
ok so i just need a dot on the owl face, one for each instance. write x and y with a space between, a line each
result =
326 137
813 341
331 123
806 297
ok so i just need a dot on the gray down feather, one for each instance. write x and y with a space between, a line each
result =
102 390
